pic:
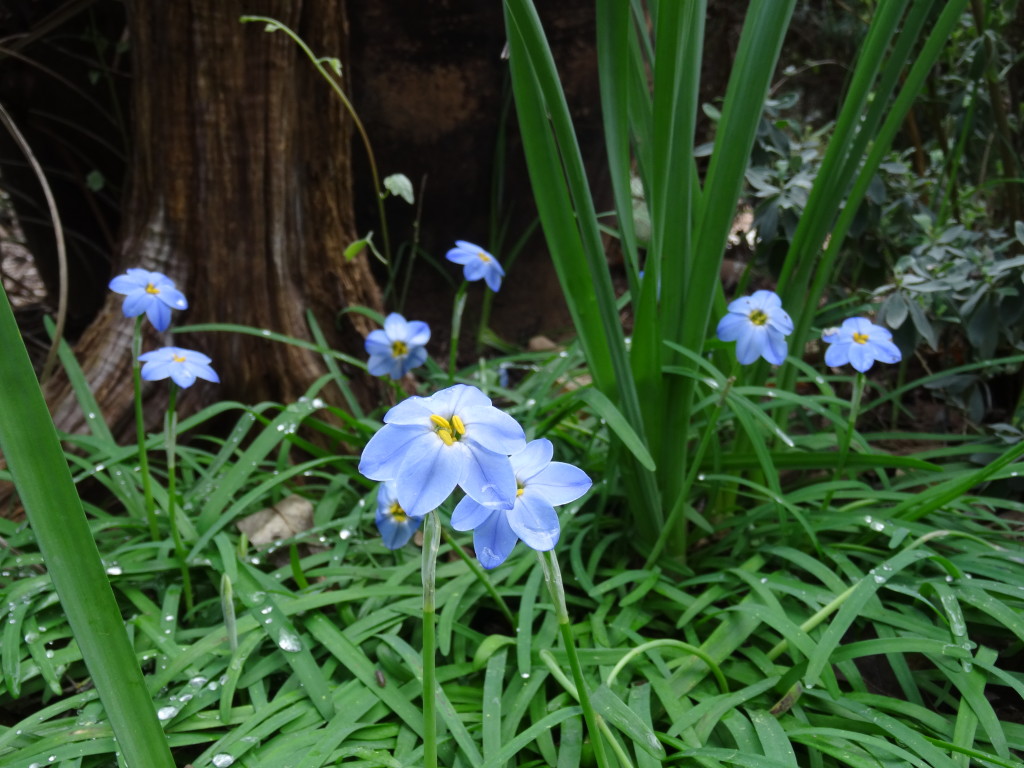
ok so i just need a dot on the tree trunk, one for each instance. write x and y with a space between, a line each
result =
239 189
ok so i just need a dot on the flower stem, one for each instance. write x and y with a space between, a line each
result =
847 436
457 308
333 78
431 545
485 316
553 578
170 439
140 431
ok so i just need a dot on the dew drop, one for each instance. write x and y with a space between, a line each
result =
166 713
289 642
223 760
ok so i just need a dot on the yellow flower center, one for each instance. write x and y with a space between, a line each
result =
178 358
758 317
519 492
483 257
860 338
150 288
399 349
397 513
448 431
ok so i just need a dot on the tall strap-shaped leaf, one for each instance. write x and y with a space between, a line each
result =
760 43
41 475
812 270
569 221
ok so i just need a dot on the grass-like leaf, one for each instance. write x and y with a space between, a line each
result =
40 471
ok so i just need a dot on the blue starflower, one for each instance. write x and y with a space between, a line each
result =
542 484
759 326
860 343
398 348
151 292
396 527
184 366
477 263
428 445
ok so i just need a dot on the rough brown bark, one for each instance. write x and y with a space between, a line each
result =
240 190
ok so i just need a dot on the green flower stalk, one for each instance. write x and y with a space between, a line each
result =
431 545
183 367
860 343
140 431
154 295
170 445
553 579
458 307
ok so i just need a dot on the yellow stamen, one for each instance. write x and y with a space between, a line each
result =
860 338
519 492
178 358
397 513
399 349
758 317
483 257
150 288
448 431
